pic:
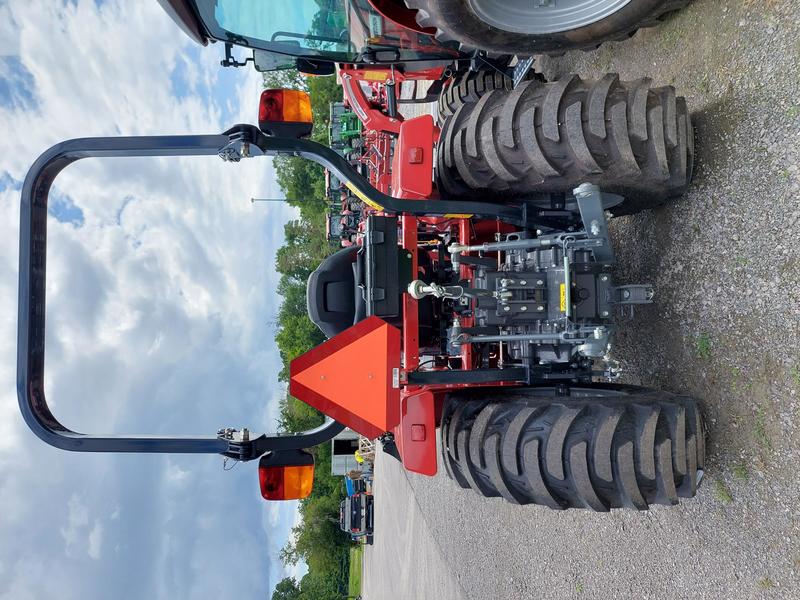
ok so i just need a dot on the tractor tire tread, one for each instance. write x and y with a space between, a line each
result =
629 138
613 450
469 87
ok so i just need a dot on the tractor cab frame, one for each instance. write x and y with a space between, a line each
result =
359 34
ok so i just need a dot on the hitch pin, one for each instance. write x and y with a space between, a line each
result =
418 290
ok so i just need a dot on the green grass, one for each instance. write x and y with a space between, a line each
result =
722 493
740 472
760 430
703 346
765 583
579 588
354 578
736 374
795 373
705 84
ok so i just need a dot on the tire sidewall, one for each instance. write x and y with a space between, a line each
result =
466 27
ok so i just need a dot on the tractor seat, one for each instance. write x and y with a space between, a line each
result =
334 299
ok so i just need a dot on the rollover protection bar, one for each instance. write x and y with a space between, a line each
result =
241 141
31 318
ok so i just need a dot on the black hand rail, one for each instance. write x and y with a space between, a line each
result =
31 324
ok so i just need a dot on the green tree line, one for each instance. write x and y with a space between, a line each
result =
317 539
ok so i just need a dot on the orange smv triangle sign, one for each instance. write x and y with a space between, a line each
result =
353 377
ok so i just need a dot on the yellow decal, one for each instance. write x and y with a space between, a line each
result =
374 75
563 303
458 216
363 197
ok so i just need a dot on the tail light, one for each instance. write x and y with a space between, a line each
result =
286 475
285 113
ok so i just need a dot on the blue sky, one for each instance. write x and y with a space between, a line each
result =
160 304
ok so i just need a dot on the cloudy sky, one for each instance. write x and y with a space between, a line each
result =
161 311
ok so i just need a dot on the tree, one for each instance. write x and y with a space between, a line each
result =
289 79
287 589
303 182
315 586
305 247
317 539
323 91
296 336
294 297
296 416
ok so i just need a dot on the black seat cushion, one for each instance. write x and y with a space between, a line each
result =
331 293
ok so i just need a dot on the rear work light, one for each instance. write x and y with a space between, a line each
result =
285 113
286 475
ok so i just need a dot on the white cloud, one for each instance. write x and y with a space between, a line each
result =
77 521
95 540
9 40
176 476
77 536
158 309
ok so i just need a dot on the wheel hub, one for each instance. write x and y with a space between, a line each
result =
536 17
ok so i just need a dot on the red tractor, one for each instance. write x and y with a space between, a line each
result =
478 299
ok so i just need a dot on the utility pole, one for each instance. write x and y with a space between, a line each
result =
254 200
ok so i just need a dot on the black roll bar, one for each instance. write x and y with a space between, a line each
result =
31 318
233 145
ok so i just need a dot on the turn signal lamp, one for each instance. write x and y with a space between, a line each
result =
287 475
285 113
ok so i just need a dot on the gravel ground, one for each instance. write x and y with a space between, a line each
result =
725 261
405 556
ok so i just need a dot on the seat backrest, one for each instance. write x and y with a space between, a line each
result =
331 292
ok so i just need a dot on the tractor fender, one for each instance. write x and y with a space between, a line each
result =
415 436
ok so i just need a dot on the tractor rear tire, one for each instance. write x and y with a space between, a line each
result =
629 138
458 20
469 87
597 448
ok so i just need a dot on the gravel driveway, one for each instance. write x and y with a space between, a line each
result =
725 261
